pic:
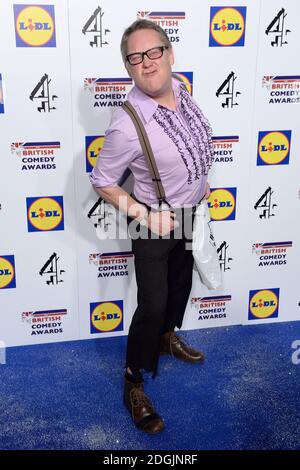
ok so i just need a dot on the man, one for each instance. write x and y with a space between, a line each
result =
180 137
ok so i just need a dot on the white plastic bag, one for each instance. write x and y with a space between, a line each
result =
204 248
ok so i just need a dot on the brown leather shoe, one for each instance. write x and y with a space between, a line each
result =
174 345
141 408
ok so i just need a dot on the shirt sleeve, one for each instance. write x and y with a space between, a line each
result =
114 158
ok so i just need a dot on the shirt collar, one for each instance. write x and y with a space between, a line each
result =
147 105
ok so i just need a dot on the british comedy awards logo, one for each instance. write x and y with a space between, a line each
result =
36 155
111 264
211 308
45 213
271 253
108 92
273 148
106 316
1 96
170 22
7 272
34 25
282 88
224 148
227 26
222 204
263 304
45 322
93 145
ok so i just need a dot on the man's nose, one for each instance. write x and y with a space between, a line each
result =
146 61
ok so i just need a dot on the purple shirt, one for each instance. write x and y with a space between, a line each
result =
180 140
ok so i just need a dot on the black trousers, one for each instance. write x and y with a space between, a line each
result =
163 270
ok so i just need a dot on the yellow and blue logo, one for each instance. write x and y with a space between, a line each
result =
273 148
263 303
222 204
7 272
93 145
227 26
45 214
106 316
35 25
186 78
1 96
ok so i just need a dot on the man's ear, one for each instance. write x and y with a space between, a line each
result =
171 56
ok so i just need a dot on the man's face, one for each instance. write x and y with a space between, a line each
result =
153 77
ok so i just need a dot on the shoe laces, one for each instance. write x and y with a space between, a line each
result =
176 339
139 398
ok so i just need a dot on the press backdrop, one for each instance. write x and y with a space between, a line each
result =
61 78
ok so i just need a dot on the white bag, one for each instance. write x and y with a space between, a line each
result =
204 248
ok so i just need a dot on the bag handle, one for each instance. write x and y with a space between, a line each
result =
147 149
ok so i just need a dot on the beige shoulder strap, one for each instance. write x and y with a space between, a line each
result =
146 147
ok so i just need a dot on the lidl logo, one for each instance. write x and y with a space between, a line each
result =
7 272
227 26
45 213
1 96
186 78
222 203
93 145
273 148
263 304
106 316
35 25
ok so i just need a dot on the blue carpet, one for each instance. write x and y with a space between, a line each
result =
69 395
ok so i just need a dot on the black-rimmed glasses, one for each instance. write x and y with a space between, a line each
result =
152 54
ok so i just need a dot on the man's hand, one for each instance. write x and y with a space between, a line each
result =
162 222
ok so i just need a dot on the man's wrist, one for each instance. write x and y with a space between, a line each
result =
144 220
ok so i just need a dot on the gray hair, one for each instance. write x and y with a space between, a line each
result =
138 25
